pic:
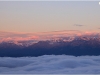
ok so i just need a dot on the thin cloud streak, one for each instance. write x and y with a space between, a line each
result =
98 28
78 25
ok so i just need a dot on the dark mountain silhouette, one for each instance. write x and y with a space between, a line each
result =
83 45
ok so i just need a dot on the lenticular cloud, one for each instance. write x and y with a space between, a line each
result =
50 64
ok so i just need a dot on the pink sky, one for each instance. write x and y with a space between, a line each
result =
47 16
15 36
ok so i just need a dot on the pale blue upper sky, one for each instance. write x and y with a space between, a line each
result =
41 16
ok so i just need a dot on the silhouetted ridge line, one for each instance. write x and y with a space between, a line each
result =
82 45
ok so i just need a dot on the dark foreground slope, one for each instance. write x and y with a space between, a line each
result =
76 47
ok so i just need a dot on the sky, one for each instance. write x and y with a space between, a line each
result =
46 16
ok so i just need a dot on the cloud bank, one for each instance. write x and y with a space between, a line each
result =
16 36
50 64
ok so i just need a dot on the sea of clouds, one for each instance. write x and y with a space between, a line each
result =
50 64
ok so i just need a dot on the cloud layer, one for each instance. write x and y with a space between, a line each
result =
15 36
59 64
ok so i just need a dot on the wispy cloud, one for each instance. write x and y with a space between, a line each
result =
78 25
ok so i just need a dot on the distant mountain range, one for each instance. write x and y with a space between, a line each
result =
68 45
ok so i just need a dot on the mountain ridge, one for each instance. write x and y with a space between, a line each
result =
77 46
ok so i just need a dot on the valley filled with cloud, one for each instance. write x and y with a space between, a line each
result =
50 64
